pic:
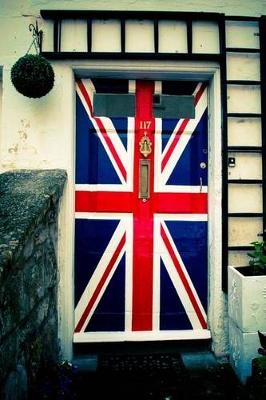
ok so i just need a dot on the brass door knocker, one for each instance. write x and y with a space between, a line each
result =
145 145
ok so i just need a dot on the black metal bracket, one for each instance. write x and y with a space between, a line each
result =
36 37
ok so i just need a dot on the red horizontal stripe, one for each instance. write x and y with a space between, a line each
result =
103 201
174 203
164 203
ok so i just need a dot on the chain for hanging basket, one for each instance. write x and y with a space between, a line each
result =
32 75
36 38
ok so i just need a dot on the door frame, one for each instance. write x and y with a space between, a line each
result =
155 70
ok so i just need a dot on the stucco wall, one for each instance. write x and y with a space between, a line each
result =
37 136
234 7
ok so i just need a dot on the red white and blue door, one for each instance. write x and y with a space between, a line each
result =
140 217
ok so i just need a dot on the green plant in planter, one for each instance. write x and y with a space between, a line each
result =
32 75
258 258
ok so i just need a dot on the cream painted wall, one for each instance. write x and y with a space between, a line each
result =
38 136
28 137
233 7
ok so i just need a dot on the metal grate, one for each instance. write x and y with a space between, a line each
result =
140 363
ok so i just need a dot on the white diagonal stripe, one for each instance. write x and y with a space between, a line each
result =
110 130
177 282
184 138
98 274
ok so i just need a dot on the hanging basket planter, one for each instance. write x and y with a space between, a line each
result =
32 75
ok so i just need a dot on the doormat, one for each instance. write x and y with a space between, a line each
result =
139 363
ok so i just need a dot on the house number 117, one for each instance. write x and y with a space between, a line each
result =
145 124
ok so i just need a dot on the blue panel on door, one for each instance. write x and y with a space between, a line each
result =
121 127
91 239
93 166
190 238
110 312
188 169
173 315
168 126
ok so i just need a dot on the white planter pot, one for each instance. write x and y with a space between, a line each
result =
247 315
247 300
243 348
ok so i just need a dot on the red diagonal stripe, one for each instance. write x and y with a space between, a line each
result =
100 284
183 279
199 93
111 148
103 131
85 94
181 129
174 142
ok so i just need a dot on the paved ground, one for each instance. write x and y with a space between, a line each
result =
152 375
160 377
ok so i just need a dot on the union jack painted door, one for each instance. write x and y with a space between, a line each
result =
140 263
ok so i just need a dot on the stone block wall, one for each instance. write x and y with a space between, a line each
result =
29 202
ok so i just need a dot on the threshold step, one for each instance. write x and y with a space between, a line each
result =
201 360
86 363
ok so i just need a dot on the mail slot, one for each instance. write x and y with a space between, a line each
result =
144 179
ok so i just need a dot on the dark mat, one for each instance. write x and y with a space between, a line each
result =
140 363
140 376
163 376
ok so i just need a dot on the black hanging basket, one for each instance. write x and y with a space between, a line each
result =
32 75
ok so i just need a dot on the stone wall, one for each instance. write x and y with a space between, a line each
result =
28 276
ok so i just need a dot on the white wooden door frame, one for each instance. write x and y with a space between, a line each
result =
156 70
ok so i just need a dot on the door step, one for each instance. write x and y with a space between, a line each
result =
86 363
193 353
199 360
181 346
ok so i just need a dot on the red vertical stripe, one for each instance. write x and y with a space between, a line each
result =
143 216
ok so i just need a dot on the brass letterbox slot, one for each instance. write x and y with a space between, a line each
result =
144 179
